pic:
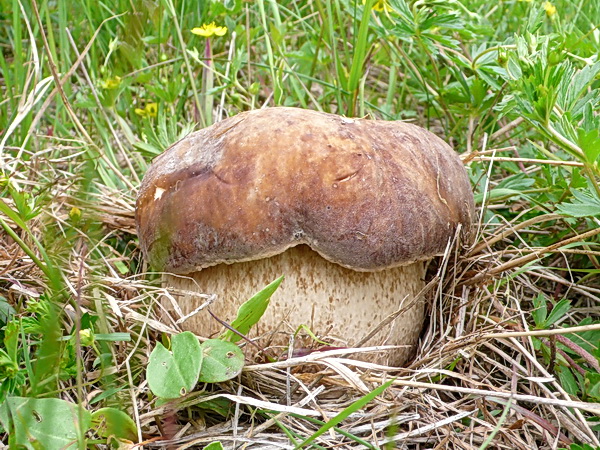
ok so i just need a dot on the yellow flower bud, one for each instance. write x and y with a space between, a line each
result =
111 83
75 214
550 9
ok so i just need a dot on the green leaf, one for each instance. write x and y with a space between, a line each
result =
592 385
113 337
113 422
45 422
106 394
174 373
214 446
497 193
558 312
221 361
539 312
589 143
358 404
584 204
360 47
250 312
6 311
567 380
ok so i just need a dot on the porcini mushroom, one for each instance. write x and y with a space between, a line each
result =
347 209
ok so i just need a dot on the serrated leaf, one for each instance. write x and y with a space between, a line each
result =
113 422
174 373
250 312
584 204
222 361
589 143
49 422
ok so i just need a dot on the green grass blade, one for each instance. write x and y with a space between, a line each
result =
360 403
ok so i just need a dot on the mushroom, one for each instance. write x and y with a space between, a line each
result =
349 210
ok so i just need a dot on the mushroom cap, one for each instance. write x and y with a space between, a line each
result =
365 194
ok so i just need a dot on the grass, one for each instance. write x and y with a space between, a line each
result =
91 92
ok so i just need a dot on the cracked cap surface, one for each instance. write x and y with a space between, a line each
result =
365 194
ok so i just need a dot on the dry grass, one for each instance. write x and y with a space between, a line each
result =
476 381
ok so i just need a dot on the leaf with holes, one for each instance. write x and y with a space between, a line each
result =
222 361
113 422
44 422
174 373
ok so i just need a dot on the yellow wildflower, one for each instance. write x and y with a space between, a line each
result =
86 337
75 214
111 83
550 9
150 110
210 29
379 5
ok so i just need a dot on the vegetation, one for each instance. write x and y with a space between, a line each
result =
91 92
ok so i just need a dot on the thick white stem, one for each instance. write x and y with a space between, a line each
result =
339 305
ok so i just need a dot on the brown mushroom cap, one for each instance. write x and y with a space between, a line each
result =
365 194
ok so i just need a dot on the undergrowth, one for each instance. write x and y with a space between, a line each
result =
91 92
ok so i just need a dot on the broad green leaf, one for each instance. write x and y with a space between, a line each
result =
214 446
558 312
174 373
579 210
113 422
584 204
588 340
592 385
221 361
6 311
45 422
250 312
567 380
539 312
589 143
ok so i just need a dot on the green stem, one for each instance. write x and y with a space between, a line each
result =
276 83
576 151
188 66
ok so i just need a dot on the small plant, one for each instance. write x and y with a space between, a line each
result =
513 86
574 358
174 373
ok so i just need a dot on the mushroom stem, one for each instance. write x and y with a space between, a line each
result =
339 305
